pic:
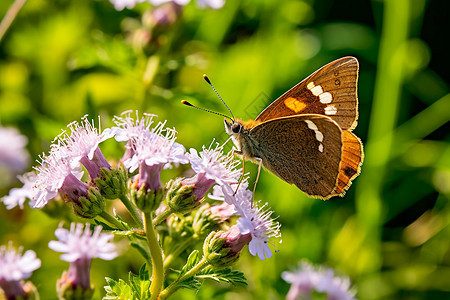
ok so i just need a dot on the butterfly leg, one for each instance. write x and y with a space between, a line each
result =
226 142
259 160
243 172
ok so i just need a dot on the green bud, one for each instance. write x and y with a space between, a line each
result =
89 208
204 221
66 291
146 200
113 182
180 198
222 248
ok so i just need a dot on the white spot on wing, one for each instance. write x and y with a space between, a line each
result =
311 125
317 90
310 85
319 135
325 98
330 110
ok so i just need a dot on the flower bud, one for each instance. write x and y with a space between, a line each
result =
181 198
91 206
221 249
144 199
204 221
67 290
112 183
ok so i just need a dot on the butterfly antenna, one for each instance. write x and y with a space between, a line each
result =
207 110
209 82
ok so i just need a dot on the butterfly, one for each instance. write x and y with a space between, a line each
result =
305 136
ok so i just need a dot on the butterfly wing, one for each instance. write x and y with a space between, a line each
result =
304 150
330 91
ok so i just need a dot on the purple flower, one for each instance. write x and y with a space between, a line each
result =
253 220
308 278
15 267
17 196
80 247
14 158
82 145
149 149
121 4
57 174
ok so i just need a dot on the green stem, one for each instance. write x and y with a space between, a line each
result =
174 285
107 217
157 257
133 211
183 246
162 216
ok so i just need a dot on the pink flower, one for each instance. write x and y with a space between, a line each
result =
308 278
80 247
14 267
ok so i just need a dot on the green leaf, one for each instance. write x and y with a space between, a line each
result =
117 290
105 226
192 260
138 287
223 275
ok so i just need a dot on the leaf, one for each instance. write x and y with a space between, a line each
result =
117 290
138 287
105 226
142 250
192 260
223 275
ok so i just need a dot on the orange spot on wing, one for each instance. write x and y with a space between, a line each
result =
294 104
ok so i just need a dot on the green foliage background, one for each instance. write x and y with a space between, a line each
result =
390 233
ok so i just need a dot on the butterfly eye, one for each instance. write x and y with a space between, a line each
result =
236 128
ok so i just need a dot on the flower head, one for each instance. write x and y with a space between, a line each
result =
80 247
12 149
149 149
15 267
254 219
309 278
17 196
57 173
215 166
83 244
81 145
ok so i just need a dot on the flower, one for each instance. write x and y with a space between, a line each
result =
81 145
15 267
80 247
253 219
214 4
14 158
17 196
221 249
149 149
308 278
212 166
121 4
57 174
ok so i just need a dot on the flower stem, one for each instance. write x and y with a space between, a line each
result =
173 287
162 216
157 258
133 211
107 217
183 246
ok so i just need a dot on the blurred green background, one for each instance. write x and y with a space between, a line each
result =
63 59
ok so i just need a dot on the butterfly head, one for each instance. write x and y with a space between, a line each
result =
233 127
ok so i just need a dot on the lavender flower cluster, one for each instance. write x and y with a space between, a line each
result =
150 148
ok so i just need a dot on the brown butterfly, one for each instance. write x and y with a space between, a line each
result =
305 136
